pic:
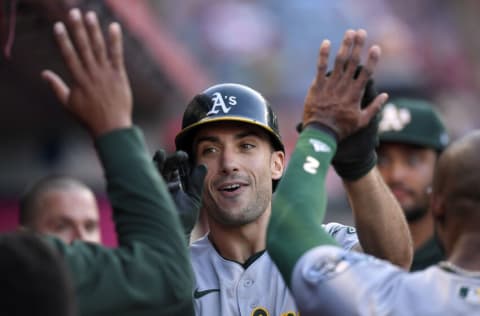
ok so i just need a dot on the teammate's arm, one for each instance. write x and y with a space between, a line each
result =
333 106
297 208
379 220
149 273
380 224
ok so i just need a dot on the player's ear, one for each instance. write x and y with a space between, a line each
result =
277 164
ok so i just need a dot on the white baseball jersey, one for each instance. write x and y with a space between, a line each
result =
328 280
224 287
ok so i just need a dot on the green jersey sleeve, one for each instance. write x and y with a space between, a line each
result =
149 273
298 207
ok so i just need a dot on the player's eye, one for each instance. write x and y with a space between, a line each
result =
247 146
414 160
208 150
60 226
91 226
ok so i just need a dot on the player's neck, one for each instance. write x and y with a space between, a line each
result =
421 230
465 252
240 243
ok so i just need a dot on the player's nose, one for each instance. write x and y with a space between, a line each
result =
229 160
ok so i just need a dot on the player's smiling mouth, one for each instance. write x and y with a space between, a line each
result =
231 188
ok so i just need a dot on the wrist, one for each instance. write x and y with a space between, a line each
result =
323 128
356 168
108 127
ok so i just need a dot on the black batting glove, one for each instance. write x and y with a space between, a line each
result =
356 154
184 183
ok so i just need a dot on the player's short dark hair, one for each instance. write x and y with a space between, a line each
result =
28 211
33 278
457 178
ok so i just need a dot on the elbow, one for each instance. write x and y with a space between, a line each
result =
403 259
402 253
397 255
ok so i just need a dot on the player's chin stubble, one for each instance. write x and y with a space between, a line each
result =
245 214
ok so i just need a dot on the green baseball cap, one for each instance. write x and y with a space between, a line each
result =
412 121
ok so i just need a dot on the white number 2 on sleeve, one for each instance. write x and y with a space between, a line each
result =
311 165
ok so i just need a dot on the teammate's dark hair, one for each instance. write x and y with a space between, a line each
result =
34 280
457 176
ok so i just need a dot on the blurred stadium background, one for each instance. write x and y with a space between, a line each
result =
175 49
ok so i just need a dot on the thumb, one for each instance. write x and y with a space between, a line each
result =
372 109
58 86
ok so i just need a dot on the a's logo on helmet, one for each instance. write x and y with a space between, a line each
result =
220 105
394 119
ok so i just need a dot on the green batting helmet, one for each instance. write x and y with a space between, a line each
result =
412 121
228 102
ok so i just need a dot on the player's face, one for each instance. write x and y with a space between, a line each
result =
69 214
241 165
408 171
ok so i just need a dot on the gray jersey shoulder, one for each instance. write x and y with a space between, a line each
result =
225 287
339 282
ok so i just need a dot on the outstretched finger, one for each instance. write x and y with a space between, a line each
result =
342 56
96 37
68 52
322 62
354 60
369 112
81 39
59 87
368 70
116 46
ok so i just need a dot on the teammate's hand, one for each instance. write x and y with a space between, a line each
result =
356 154
184 183
99 94
334 101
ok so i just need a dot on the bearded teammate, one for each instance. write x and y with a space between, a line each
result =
412 135
328 280
233 131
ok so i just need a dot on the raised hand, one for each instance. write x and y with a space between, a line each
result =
334 101
185 184
99 94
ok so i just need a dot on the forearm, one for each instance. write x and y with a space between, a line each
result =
143 208
152 254
149 273
299 203
381 226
